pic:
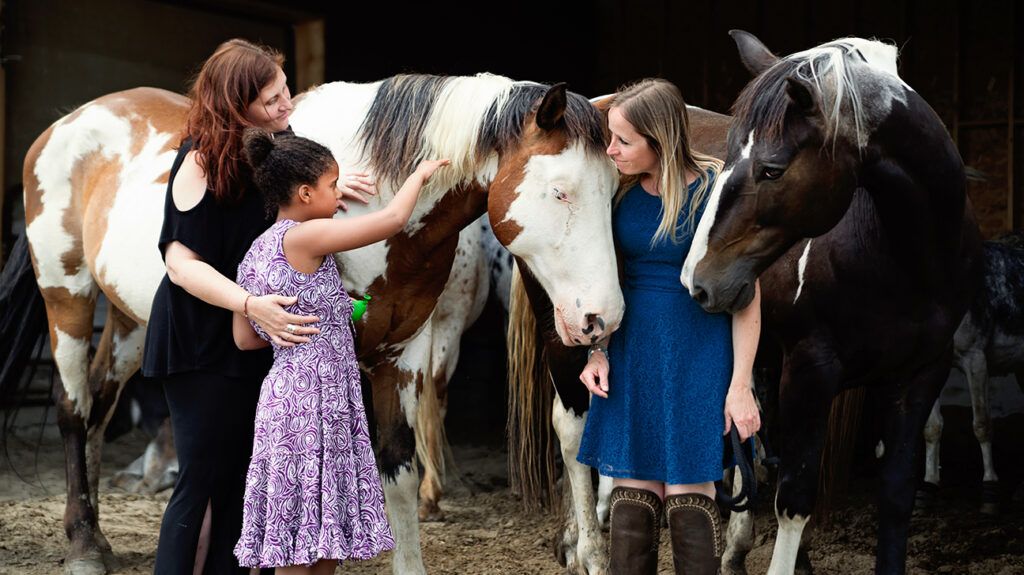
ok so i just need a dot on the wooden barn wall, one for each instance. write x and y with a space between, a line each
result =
67 52
963 56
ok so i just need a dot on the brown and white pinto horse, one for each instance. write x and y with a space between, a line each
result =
528 155
843 191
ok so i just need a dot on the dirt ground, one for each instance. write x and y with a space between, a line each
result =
487 532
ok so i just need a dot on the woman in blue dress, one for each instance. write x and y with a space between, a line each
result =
674 378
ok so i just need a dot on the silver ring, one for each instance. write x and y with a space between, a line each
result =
290 328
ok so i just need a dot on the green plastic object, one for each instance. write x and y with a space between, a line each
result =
359 307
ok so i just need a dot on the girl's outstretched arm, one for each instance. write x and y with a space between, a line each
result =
319 237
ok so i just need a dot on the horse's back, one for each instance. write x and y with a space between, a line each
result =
709 131
94 190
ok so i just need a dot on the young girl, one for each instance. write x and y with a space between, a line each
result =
313 495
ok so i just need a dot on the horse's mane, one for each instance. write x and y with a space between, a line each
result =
763 102
466 118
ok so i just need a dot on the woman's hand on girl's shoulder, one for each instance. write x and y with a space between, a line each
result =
595 374
356 186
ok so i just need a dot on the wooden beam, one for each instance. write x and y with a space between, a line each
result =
309 55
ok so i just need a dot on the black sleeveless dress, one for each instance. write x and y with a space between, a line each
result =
185 333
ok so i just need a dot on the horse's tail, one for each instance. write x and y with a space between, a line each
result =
531 447
22 318
431 438
837 455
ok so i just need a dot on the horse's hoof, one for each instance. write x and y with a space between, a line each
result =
91 565
991 497
926 496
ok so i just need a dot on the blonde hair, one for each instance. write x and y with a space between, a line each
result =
655 109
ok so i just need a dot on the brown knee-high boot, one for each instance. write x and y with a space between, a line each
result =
696 528
635 530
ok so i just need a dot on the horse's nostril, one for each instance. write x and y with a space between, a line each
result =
592 319
700 295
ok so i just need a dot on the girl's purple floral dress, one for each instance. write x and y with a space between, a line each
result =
313 491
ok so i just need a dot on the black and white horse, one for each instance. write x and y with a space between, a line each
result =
989 341
843 191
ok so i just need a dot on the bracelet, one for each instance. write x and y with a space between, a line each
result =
245 306
600 348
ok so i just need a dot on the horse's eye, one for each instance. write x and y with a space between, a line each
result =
561 196
772 173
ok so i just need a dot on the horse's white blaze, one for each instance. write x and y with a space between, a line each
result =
576 229
699 246
787 543
96 129
71 354
400 499
128 260
590 548
801 267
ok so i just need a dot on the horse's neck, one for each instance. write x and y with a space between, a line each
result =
918 190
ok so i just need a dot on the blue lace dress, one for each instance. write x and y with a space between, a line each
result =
671 363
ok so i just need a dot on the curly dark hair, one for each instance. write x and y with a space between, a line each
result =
282 163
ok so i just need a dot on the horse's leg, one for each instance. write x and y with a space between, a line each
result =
70 322
430 446
160 462
908 409
604 494
925 498
590 552
976 369
395 391
810 379
739 534
118 356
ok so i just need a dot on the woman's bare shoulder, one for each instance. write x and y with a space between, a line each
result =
189 183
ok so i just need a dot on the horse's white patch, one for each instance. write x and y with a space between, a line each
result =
415 357
400 499
71 354
128 260
787 543
868 88
589 544
605 485
801 266
95 129
577 230
739 533
127 353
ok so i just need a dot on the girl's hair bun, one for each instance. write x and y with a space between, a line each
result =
258 144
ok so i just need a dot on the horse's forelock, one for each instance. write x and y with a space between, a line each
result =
763 102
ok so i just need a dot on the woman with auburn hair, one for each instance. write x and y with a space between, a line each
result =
673 378
212 214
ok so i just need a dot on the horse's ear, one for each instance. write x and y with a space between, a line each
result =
552 108
754 55
800 93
